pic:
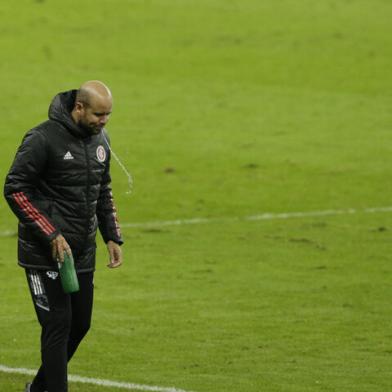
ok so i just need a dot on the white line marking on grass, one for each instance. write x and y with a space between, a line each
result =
257 217
8 233
96 381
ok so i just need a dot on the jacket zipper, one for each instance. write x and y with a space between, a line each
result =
87 188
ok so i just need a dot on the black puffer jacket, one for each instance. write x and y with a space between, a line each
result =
58 183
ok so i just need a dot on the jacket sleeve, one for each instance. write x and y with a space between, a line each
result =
106 210
21 191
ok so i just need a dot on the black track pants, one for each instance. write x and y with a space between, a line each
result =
65 320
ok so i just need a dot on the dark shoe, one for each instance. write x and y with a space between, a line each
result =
28 387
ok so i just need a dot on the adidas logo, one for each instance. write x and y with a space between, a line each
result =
68 155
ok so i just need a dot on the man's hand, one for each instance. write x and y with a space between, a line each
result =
115 254
59 246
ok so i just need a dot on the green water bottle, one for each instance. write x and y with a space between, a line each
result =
69 279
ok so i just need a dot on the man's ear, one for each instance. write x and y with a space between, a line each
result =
78 106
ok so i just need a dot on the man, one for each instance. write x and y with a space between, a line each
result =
59 188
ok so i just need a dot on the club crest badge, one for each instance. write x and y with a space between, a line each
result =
52 274
101 154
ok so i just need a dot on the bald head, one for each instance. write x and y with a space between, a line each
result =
93 90
93 105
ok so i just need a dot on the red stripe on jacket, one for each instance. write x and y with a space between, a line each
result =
33 213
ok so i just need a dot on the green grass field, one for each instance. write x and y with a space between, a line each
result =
224 109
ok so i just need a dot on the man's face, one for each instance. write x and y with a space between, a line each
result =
95 115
